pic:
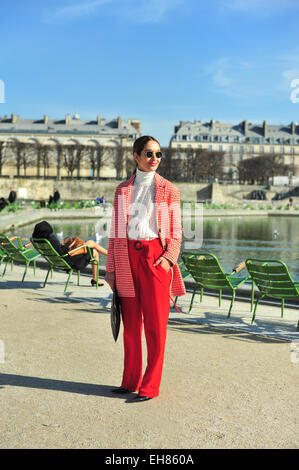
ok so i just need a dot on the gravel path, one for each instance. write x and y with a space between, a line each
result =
221 387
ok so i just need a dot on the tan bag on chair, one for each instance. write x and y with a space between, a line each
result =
72 243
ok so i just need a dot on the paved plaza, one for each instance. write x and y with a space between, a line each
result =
226 383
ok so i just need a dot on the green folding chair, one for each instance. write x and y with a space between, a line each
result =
207 273
185 274
16 252
2 255
57 261
273 280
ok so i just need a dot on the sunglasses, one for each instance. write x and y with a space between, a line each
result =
150 154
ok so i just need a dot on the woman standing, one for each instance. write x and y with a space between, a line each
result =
144 245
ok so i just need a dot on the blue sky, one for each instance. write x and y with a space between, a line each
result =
161 61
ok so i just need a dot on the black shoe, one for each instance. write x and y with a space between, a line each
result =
120 390
141 398
94 283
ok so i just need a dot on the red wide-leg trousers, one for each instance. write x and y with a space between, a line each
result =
150 304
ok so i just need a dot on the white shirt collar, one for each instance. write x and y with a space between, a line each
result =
144 177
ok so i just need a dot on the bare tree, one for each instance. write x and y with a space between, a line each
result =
169 163
189 164
5 155
98 156
211 163
261 168
46 156
118 161
102 158
130 163
25 155
79 153
69 159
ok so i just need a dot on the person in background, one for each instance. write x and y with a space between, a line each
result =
3 203
12 196
290 203
56 196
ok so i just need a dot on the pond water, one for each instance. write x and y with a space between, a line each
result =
231 239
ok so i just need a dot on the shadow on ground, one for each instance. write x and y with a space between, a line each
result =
59 385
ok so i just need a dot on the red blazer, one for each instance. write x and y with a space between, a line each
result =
167 199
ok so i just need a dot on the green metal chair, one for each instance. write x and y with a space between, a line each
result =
17 252
185 274
207 273
3 255
273 280
57 261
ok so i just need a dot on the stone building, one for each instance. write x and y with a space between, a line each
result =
58 147
240 141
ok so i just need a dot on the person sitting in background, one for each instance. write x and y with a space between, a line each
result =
3 203
12 196
290 204
76 261
101 200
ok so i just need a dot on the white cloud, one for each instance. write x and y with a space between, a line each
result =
78 9
150 11
242 80
224 75
290 75
259 6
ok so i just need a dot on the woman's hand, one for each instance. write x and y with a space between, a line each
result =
110 278
164 263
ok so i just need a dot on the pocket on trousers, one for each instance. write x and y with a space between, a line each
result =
161 269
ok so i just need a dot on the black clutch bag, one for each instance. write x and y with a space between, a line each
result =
115 315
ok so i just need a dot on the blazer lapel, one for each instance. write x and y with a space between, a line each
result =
159 189
126 192
159 199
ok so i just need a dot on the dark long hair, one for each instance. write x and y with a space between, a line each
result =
140 143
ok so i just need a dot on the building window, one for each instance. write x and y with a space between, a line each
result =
292 160
281 149
251 149
272 150
261 149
